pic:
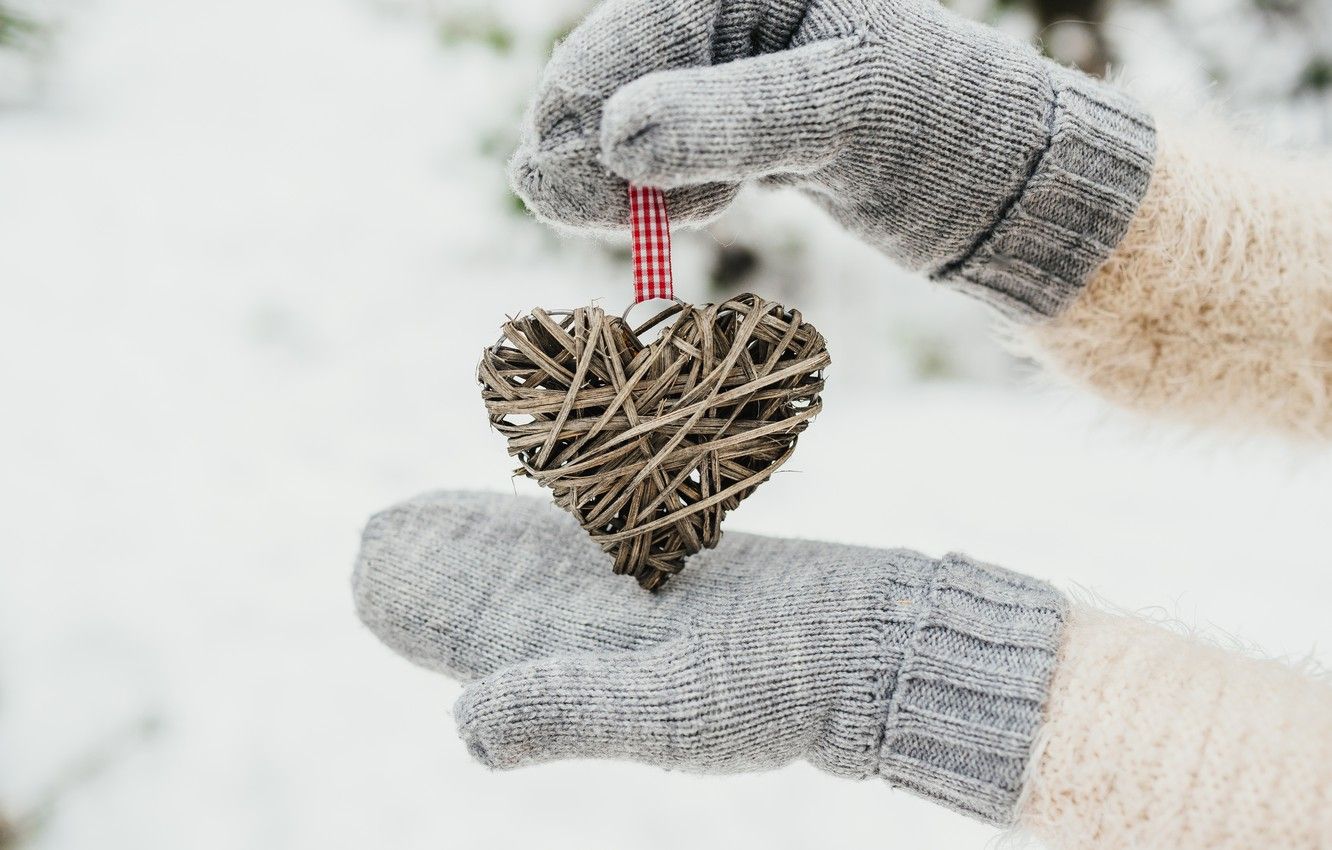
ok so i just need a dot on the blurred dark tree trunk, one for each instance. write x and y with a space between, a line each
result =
1093 53
9 838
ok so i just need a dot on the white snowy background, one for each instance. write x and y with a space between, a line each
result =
249 252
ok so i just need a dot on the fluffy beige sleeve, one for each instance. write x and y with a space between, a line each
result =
1217 305
1159 741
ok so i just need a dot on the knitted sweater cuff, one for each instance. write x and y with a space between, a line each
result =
971 692
1084 189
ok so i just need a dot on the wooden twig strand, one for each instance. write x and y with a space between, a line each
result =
650 444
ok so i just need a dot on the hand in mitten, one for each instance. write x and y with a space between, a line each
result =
931 673
955 149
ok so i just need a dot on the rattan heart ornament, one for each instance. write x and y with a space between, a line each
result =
649 444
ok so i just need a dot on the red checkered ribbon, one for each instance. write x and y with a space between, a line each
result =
652 244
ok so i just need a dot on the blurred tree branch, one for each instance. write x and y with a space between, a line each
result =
17 830
17 31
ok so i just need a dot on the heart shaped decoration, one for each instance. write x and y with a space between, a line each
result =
650 444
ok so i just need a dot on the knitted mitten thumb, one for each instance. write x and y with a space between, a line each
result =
929 673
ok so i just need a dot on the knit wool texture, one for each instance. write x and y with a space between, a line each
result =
956 150
1216 308
1158 740
930 673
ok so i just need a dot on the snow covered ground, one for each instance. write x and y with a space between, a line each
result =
249 252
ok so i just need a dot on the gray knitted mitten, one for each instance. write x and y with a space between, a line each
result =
930 673
953 148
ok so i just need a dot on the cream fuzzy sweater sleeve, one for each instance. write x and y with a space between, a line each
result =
1216 307
1162 742
1217 304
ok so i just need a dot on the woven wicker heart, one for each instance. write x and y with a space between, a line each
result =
650 444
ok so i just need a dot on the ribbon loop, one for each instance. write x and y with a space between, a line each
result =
651 230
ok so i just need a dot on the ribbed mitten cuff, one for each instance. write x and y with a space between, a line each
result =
971 691
1084 189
